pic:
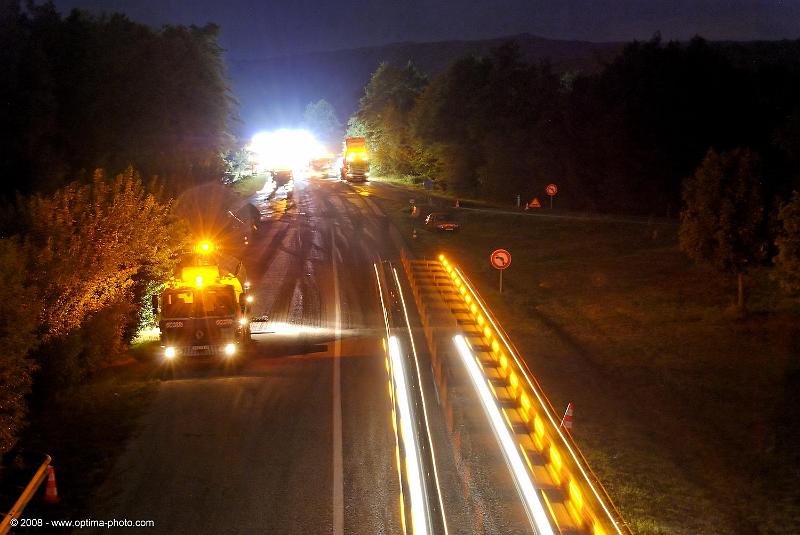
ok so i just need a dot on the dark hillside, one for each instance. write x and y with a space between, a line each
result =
274 91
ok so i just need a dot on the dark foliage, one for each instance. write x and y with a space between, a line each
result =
81 92
620 140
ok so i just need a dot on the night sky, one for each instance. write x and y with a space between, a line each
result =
255 29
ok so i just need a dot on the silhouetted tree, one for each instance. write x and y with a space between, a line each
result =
787 261
490 123
723 220
82 92
320 118
384 113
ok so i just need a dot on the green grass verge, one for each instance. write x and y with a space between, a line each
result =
417 188
246 187
686 413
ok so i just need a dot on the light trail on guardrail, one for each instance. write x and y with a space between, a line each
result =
421 507
533 503
558 489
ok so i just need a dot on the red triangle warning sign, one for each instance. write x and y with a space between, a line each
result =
535 203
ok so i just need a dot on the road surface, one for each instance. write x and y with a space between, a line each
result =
299 439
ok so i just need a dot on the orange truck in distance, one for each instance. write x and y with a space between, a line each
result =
355 163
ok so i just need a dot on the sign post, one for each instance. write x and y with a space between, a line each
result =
500 260
551 190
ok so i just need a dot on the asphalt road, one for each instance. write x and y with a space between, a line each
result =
298 439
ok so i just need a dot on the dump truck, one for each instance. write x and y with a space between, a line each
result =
355 162
204 308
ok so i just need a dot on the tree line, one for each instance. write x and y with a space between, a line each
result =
81 92
620 140
104 121
707 131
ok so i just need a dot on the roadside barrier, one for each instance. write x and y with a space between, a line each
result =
558 476
13 515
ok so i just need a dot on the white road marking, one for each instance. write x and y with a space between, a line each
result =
338 479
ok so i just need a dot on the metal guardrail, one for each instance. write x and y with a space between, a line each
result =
25 497
554 480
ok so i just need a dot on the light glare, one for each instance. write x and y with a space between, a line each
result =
284 149
533 505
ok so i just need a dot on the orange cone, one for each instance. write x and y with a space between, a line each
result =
458 203
566 421
50 490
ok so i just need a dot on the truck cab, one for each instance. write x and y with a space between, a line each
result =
355 163
204 310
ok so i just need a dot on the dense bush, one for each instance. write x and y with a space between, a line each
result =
788 244
80 252
74 280
19 313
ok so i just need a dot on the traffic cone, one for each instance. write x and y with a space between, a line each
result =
50 490
458 203
566 421
414 234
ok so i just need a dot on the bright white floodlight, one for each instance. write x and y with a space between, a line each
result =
284 149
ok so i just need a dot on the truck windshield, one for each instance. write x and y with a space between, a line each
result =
210 302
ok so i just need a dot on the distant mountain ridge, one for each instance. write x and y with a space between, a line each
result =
274 91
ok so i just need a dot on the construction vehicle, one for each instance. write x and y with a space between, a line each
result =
204 309
355 163
324 166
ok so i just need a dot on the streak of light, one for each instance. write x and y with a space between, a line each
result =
533 504
392 399
419 512
555 424
422 395
282 327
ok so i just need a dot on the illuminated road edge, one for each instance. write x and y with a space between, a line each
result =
587 502
432 454
419 509
416 464
533 505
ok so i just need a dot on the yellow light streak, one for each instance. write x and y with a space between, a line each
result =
575 495
533 504
555 458
554 424
424 403
419 512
